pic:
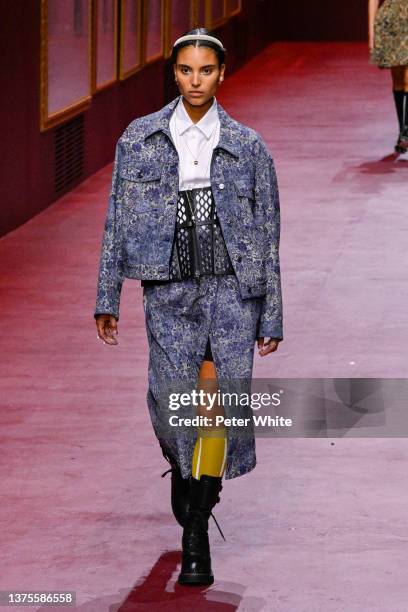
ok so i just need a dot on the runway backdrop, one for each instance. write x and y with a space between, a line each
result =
28 168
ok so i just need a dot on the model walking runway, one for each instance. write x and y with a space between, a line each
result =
90 510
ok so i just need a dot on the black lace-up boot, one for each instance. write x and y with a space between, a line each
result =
196 563
180 490
402 144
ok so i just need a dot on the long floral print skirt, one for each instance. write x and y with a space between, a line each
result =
180 317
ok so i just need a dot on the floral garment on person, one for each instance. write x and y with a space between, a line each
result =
391 35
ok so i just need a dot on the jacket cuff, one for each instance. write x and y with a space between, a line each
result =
274 331
113 314
108 297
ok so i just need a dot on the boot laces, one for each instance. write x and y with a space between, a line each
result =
219 528
200 512
202 515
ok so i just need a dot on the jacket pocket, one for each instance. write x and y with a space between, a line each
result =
141 184
245 188
245 200
141 173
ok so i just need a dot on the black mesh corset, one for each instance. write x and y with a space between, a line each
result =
199 246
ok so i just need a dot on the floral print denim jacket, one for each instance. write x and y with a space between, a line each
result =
140 222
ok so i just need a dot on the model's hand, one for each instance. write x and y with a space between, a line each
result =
267 345
107 327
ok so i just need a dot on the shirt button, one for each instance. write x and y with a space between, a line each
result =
221 185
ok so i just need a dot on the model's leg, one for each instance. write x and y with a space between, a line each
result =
400 78
400 91
208 465
210 452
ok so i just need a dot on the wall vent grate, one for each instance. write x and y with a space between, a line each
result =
69 154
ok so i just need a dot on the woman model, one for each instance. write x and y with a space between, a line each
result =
388 42
194 214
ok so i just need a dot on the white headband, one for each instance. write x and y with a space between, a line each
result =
190 37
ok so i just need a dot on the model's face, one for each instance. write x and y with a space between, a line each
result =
198 74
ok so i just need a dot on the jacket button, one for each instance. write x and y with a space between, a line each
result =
239 258
221 185
249 290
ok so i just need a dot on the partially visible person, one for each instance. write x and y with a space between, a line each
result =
388 43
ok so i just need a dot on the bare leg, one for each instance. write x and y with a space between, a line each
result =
400 78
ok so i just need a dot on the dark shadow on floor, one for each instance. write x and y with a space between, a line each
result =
360 177
386 165
156 593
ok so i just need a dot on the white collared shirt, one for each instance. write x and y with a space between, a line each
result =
200 138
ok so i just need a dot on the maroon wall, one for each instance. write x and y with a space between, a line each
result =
23 159
319 20
27 168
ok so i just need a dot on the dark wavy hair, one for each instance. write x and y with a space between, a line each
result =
200 43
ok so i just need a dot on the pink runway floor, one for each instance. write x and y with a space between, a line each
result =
316 526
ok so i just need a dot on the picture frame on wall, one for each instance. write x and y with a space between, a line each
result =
65 60
87 45
131 42
104 44
218 13
200 14
183 15
233 7
179 17
153 29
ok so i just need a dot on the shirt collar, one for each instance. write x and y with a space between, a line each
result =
205 125
231 132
